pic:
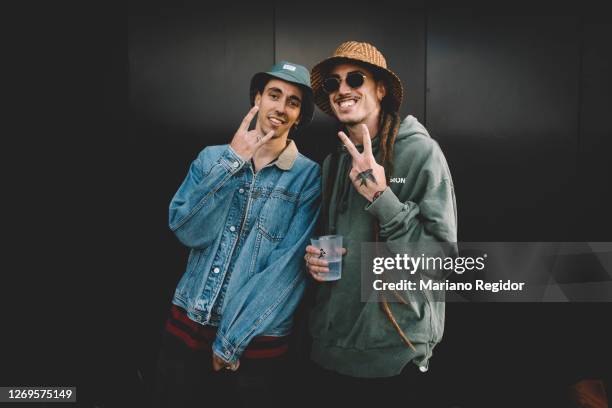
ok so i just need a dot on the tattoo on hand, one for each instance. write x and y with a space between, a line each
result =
366 175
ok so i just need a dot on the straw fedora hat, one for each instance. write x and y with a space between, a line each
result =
360 53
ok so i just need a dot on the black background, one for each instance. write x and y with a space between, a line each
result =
109 105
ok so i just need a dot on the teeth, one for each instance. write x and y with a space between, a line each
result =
276 121
347 103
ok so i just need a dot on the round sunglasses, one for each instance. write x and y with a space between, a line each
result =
353 79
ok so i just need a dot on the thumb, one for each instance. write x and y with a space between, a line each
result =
235 366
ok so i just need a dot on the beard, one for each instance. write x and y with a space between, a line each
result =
351 121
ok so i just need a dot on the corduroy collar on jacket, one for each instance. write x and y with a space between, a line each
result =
287 157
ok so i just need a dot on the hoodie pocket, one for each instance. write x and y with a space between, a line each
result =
413 318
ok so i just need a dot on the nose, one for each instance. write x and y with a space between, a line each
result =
278 106
280 109
344 88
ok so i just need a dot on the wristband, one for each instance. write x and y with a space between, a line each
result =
377 194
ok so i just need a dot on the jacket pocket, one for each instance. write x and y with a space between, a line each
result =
264 245
272 226
276 214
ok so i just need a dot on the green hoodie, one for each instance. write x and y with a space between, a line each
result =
355 338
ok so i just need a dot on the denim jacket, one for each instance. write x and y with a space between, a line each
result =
247 233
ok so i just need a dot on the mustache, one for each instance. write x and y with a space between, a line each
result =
345 97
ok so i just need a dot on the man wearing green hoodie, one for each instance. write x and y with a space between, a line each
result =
373 343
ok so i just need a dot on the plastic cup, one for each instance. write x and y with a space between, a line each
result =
330 250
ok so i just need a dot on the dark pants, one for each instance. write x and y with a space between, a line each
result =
409 389
185 378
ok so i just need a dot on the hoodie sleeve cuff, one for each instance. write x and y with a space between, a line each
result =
385 207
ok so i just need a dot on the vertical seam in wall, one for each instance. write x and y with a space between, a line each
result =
273 33
225 76
426 17
581 35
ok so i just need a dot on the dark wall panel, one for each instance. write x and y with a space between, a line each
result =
312 34
503 99
190 67
593 196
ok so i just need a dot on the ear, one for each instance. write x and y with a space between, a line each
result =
381 90
257 99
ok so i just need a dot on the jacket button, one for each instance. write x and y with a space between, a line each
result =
216 270
241 191
235 164
232 228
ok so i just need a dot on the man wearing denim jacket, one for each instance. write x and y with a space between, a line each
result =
246 210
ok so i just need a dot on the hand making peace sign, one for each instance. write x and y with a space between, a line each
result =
246 142
368 177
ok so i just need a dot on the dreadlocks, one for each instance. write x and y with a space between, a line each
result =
389 126
388 129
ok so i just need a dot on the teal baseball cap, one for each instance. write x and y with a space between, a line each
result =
295 74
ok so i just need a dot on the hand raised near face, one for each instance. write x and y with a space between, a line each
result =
246 142
367 176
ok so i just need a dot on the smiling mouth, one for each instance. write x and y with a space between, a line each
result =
276 121
347 103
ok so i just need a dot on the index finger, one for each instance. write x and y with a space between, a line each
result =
349 145
312 250
244 126
367 142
